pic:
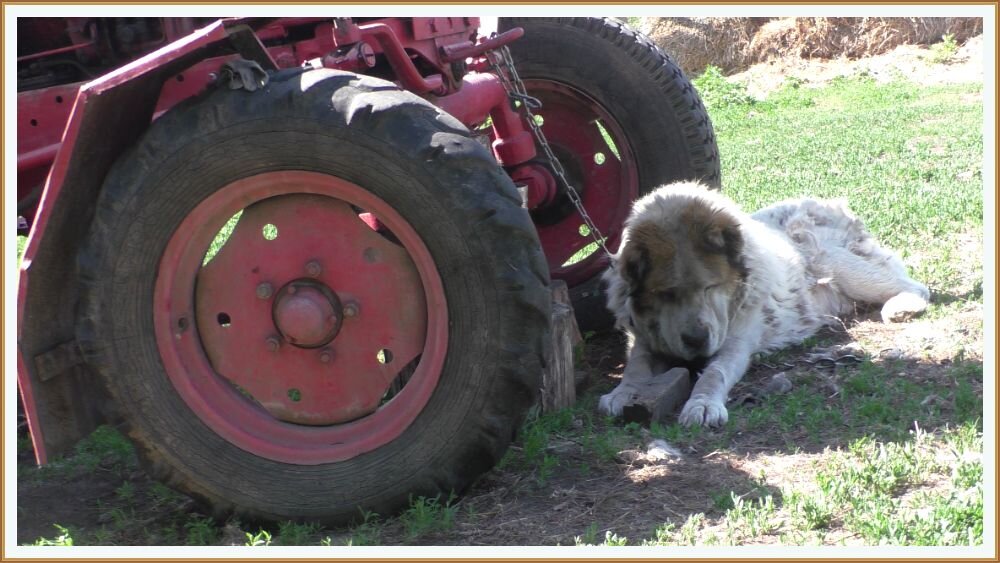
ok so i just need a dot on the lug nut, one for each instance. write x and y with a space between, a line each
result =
350 309
313 269
264 290
325 356
273 343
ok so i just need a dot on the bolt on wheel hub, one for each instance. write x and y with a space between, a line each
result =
307 313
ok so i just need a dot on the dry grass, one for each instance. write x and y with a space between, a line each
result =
734 44
695 43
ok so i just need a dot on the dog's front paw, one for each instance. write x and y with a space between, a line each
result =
903 307
703 411
614 402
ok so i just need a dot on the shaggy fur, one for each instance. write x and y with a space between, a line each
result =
697 281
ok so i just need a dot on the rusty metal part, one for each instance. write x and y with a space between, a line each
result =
264 291
308 314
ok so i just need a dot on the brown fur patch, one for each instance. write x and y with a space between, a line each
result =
665 261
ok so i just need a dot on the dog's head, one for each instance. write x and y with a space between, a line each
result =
680 272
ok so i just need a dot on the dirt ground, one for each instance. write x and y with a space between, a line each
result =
512 508
906 61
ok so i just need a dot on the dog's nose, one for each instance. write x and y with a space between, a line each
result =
696 339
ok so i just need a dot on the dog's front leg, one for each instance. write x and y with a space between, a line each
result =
707 405
638 372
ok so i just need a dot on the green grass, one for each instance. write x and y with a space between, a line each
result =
908 160
878 492
105 448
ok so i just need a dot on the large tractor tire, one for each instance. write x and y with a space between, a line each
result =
598 80
314 299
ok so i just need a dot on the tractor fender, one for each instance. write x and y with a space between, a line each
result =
63 401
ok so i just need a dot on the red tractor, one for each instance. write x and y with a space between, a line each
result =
305 261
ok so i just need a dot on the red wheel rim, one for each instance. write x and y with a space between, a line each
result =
606 175
290 346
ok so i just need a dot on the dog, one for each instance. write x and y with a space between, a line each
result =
696 281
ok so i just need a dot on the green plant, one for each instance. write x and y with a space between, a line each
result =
261 539
294 533
689 530
368 532
752 519
161 494
201 530
426 515
65 538
944 51
613 539
716 91
589 536
126 492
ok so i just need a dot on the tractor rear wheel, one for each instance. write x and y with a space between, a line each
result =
622 119
315 298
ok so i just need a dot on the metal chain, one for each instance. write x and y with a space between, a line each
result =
515 90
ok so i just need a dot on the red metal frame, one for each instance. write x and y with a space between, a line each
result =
433 43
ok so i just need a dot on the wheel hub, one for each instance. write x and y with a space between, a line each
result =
310 343
307 313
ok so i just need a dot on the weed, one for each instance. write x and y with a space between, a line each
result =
722 500
810 513
22 241
293 533
427 515
750 519
716 91
120 518
545 469
126 492
105 447
689 531
589 536
368 532
613 539
662 535
201 530
261 539
65 538
161 494
944 51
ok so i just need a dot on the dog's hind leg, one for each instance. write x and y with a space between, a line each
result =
877 277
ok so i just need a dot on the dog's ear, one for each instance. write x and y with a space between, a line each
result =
723 238
728 240
634 265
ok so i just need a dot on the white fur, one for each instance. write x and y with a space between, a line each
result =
809 261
